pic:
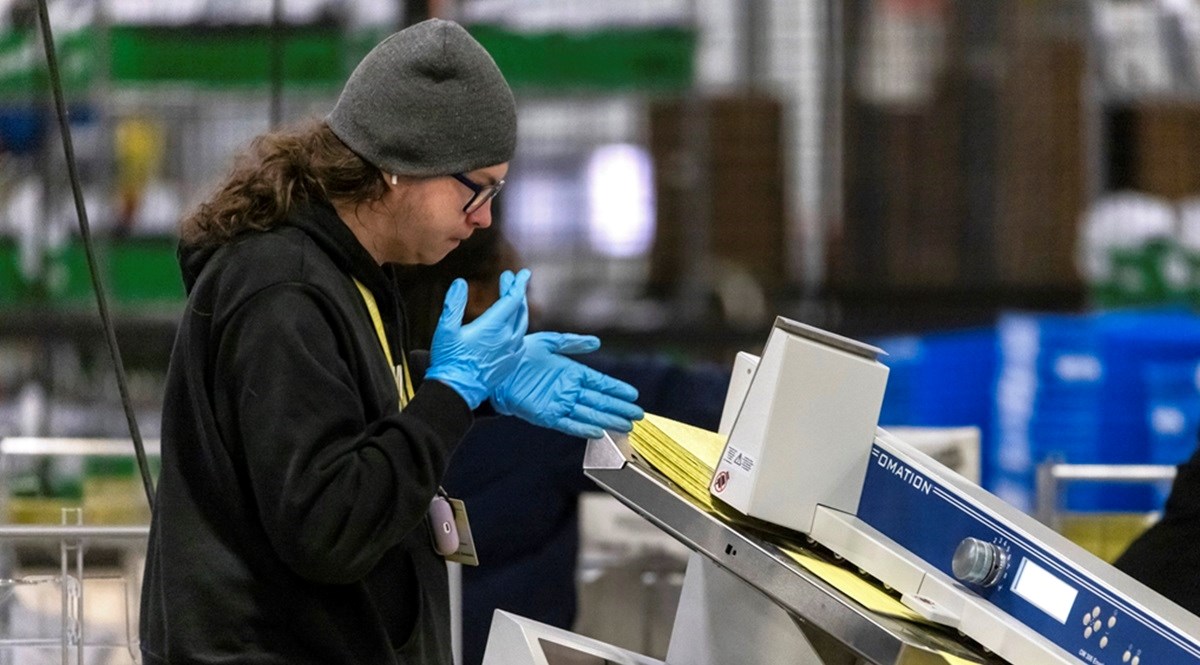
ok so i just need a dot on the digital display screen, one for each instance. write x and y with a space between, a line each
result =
1043 590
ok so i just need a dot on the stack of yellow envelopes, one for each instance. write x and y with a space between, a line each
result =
688 455
685 454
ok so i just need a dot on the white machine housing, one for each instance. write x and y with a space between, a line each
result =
816 391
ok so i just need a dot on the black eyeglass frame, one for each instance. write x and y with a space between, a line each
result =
480 194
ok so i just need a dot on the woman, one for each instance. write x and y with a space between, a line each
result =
300 449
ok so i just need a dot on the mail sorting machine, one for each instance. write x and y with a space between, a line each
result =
801 425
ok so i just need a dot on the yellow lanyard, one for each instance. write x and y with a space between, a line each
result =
403 380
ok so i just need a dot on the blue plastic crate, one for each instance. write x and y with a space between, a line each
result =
943 379
1172 410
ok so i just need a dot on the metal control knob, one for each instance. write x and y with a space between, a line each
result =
978 562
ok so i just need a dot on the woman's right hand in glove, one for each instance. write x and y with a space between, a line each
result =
475 358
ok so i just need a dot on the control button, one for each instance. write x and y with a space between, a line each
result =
1087 632
1096 626
1112 621
1087 618
1104 641
1096 611
979 563
1125 657
1135 661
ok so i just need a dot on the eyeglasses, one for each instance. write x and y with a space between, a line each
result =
480 195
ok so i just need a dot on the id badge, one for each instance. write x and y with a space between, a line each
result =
466 544
451 530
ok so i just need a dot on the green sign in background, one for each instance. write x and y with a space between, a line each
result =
23 63
135 271
653 59
657 58
144 270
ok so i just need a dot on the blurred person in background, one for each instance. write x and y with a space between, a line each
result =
523 482
302 443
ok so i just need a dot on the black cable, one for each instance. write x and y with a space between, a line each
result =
278 35
86 234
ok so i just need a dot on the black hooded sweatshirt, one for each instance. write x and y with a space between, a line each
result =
290 525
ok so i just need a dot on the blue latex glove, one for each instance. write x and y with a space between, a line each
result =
552 390
473 359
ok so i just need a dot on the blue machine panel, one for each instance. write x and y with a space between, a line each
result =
1050 595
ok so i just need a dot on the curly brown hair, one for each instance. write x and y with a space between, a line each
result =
304 162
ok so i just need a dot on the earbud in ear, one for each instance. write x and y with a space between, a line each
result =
393 178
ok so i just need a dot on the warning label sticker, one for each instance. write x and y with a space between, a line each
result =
738 458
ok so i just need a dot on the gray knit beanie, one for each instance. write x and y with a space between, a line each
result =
427 101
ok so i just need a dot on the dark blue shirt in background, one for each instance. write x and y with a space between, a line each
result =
522 483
